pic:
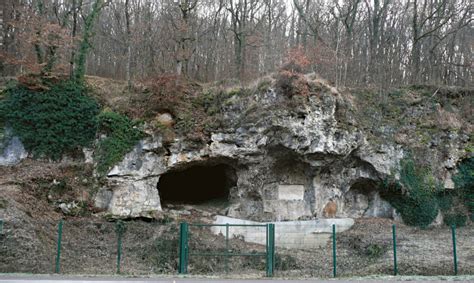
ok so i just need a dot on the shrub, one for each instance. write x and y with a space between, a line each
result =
168 93
296 61
212 101
414 196
375 250
264 85
286 262
255 262
364 246
445 200
122 134
290 79
53 122
464 182
181 98
163 253
457 219
291 83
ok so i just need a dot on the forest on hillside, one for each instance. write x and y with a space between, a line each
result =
350 43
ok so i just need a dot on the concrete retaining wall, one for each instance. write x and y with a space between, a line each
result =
288 234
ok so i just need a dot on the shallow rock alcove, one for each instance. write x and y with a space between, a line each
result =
197 184
363 200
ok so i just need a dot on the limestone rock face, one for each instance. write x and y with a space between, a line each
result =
130 198
13 150
289 162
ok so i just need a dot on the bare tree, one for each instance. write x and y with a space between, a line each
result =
351 43
185 37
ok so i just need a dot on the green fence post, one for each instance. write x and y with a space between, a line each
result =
273 246
227 248
394 236
270 249
267 249
58 255
183 248
455 258
119 228
334 250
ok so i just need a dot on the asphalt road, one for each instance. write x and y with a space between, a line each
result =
5 278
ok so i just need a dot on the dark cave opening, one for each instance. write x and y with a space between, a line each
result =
361 189
197 184
364 186
359 198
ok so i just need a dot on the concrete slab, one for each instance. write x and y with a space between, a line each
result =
288 234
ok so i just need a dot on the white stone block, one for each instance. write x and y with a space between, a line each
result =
290 192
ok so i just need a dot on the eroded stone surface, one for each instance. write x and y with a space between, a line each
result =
289 162
13 151
130 198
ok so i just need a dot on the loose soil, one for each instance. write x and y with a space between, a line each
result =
28 241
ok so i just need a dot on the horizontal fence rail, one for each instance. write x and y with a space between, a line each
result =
227 250
143 248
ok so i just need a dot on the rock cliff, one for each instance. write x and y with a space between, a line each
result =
287 157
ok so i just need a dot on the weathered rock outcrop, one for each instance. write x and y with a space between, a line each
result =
291 155
12 149
290 160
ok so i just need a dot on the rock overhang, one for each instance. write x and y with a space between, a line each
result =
327 145
312 141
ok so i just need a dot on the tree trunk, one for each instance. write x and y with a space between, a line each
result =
85 45
73 35
129 44
415 51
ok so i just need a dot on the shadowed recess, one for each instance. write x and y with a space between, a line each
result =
197 184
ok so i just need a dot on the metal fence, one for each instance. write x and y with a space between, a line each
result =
145 248
85 247
235 252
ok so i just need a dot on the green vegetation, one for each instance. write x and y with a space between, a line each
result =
163 252
457 219
456 204
414 196
3 203
375 250
122 134
120 227
50 123
285 262
464 181
264 85
445 200
62 119
53 188
417 196
212 100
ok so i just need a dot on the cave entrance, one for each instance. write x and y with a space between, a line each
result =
363 200
197 185
359 197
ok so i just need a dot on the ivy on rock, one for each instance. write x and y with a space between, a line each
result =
52 122
62 119
121 135
414 195
418 197
464 181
